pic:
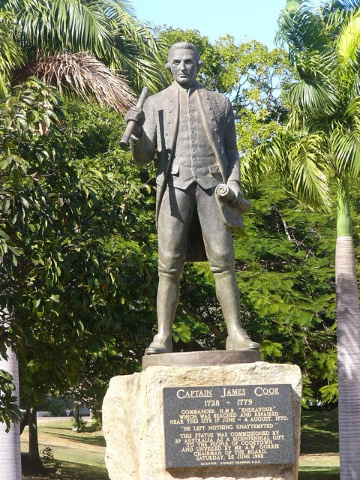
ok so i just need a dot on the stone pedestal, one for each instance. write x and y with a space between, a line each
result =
133 420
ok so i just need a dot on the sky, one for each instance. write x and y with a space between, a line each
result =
243 19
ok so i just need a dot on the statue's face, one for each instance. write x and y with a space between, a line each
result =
183 66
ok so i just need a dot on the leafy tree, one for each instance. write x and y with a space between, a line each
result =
75 236
253 77
90 289
286 280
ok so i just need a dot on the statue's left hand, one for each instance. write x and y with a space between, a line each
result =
235 187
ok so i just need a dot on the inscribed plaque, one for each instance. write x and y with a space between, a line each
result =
228 425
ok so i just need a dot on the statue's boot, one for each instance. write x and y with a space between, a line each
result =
241 341
160 344
228 296
167 301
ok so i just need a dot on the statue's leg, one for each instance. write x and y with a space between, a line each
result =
174 219
166 304
228 295
220 251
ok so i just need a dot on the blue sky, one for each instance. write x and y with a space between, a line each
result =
243 19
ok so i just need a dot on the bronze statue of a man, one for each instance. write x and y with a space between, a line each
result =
191 130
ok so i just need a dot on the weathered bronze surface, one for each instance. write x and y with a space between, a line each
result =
191 132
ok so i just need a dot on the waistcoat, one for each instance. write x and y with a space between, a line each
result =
194 158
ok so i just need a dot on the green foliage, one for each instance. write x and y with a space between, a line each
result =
9 411
320 142
10 53
252 76
78 424
76 244
287 282
47 457
321 138
96 422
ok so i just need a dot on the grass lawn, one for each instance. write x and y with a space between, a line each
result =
319 459
80 456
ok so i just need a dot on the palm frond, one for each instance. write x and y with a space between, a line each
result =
253 168
352 112
106 29
313 97
308 171
10 53
71 25
302 30
82 75
345 149
139 53
300 160
346 4
112 7
349 39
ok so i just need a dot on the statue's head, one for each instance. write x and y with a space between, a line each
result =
184 62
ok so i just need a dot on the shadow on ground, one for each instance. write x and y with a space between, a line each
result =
319 432
95 441
314 473
82 472
69 471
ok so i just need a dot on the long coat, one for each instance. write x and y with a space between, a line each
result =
160 133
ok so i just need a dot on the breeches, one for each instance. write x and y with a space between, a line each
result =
175 215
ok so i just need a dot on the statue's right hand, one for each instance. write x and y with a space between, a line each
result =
137 116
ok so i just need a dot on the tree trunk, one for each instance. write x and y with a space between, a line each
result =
348 333
76 422
10 451
34 456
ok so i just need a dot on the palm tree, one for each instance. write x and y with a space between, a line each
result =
320 145
90 47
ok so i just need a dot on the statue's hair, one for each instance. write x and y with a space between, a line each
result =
184 46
